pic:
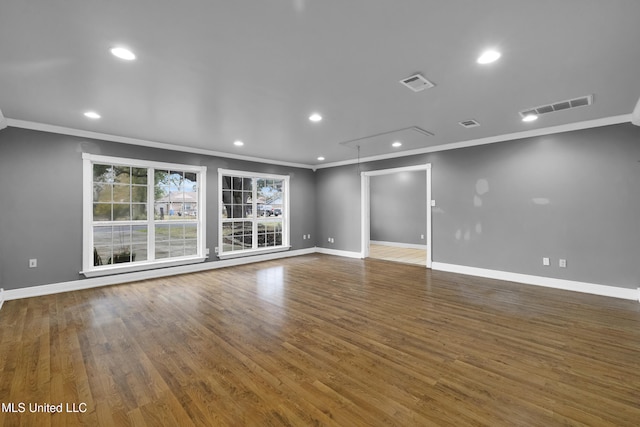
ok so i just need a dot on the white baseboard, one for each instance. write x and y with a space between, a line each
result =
116 279
399 245
549 282
336 252
75 285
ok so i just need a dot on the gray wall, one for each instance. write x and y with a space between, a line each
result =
398 207
338 202
505 206
41 201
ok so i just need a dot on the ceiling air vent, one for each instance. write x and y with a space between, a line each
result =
417 83
558 106
469 123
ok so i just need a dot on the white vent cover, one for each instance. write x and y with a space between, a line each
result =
469 123
417 83
558 106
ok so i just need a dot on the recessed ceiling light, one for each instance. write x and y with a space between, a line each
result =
489 56
530 118
238 143
320 158
92 115
315 117
123 53
396 144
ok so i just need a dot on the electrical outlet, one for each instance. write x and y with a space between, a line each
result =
304 237
562 263
215 250
545 261
308 236
422 236
33 263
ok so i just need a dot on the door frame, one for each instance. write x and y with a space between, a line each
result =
365 210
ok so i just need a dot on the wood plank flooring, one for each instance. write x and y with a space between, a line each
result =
397 254
322 340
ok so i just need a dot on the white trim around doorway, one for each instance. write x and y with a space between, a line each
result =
365 210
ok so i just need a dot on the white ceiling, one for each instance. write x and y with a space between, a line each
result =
211 72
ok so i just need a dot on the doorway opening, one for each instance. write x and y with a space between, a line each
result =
389 248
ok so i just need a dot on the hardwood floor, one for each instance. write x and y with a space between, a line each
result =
322 340
397 254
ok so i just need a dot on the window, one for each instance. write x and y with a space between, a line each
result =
140 214
254 213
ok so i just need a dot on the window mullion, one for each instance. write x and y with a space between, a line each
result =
151 229
254 209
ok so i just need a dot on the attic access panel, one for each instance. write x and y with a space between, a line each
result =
412 138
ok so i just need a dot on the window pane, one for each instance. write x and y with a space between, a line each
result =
139 176
190 180
139 234
102 211
122 175
121 193
162 250
160 210
139 193
190 247
190 231
174 210
122 237
236 211
177 231
138 212
121 212
102 173
191 210
176 248
101 255
176 181
162 241
102 192
247 239
162 232
139 252
102 236
237 183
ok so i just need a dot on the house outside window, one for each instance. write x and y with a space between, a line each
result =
139 214
254 213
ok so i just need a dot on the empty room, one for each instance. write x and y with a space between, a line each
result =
319 213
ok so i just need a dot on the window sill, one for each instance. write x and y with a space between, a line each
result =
130 268
251 252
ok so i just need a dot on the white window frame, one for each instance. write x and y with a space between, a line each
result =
88 269
285 215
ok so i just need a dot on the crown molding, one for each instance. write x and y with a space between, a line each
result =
23 124
606 121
